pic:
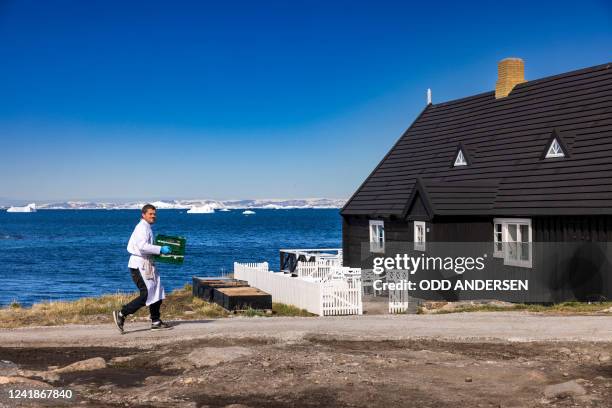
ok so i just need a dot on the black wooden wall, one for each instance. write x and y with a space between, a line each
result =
572 256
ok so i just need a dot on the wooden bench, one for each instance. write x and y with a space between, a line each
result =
242 298
204 287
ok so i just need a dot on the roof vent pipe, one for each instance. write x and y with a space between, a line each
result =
429 96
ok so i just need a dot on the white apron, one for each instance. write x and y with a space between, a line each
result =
142 250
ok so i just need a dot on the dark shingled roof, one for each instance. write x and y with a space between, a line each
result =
505 141
455 198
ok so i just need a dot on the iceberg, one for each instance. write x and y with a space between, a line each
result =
224 209
186 204
203 209
164 205
30 208
248 212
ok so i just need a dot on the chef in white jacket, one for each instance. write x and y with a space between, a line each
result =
144 273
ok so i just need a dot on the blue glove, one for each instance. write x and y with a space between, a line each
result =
165 250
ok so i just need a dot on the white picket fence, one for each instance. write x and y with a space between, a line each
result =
367 282
398 298
342 296
324 270
322 297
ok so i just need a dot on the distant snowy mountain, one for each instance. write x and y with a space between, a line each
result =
189 204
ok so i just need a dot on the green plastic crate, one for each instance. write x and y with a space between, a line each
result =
176 244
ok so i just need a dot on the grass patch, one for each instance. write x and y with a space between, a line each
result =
281 309
567 308
178 305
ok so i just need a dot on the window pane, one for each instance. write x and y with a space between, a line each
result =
512 250
525 252
512 233
498 228
524 233
498 246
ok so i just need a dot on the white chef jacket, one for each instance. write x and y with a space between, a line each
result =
141 249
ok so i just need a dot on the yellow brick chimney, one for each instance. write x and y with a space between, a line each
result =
510 72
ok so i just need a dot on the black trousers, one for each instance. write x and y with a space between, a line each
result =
141 300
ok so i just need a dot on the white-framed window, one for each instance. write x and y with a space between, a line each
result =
419 236
555 149
498 239
377 236
460 159
516 241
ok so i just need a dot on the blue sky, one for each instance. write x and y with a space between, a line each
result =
110 100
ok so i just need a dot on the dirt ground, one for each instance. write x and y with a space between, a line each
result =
321 371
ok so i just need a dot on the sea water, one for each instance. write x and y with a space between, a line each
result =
67 254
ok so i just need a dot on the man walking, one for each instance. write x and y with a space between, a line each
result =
144 273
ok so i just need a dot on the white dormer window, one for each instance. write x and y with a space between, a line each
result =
555 150
460 160
377 236
419 236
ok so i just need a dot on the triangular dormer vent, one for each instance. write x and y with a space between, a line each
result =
555 149
460 159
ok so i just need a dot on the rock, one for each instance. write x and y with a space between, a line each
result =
175 363
566 351
95 363
432 306
212 356
604 358
8 368
157 379
468 379
535 375
45 375
121 359
22 380
569 388
236 406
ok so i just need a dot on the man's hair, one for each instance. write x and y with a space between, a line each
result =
148 207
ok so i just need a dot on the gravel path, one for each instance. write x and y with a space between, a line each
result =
489 326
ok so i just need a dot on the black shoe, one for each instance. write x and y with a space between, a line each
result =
119 320
159 325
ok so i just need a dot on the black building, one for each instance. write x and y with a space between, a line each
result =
522 173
